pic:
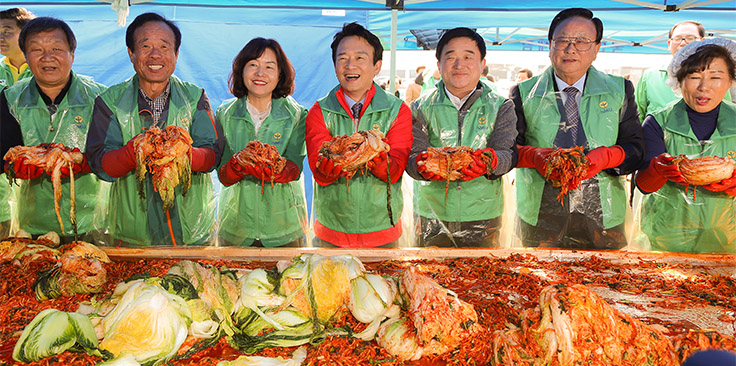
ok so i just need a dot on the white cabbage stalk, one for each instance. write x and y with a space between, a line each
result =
297 359
393 312
354 265
51 236
370 296
398 340
52 332
255 291
204 329
148 322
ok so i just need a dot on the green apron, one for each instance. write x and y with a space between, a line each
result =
672 219
359 205
143 222
600 109
473 200
69 125
278 215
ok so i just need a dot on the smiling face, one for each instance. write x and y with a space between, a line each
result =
354 66
154 57
460 65
49 58
570 64
9 33
261 76
704 90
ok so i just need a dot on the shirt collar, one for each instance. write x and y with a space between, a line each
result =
15 70
349 101
59 97
579 85
163 95
458 102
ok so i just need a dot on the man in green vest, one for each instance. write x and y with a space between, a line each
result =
573 104
652 93
462 111
53 105
154 97
355 213
12 67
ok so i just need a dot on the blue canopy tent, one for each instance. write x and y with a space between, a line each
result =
213 31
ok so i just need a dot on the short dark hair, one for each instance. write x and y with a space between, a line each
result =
46 24
702 58
253 50
528 72
357 30
461 32
20 15
576 12
150 17
701 29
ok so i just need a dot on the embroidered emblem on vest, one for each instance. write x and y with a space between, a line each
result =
482 121
376 127
604 107
277 136
731 154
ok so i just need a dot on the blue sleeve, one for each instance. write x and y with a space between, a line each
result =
653 140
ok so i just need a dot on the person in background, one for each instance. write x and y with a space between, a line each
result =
354 214
12 68
154 97
523 74
652 93
53 105
462 111
488 79
414 90
259 207
699 124
572 104
431 82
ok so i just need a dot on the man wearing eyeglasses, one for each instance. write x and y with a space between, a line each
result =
573 104
651 92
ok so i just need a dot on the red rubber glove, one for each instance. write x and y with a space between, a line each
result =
602 158
533 157
378 166
727 185
203 158
289 173
479 167
423 169
80 168
659 171
119 162
328 170
21 170
231 172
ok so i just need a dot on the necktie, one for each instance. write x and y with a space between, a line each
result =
572 111
356 108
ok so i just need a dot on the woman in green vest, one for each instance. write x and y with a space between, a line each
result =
258 206
701 124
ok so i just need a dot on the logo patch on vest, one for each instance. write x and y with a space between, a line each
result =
731 154
604 107
482 125
185 121
376 127
78 121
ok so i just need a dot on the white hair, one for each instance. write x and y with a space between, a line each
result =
689 50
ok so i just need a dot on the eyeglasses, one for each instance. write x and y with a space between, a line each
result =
687 39
581 44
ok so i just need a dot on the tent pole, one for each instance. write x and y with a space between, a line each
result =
392 72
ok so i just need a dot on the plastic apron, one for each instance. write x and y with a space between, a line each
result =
600 109
359 205
477 199
675 220
143 222
274 213
69 126
6 193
